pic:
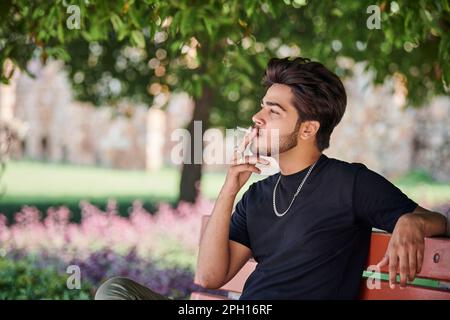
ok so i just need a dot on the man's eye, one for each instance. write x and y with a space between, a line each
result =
271 110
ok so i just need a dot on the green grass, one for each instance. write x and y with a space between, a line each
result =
36 180
421 187
46 184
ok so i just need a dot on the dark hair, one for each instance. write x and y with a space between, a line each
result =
318 93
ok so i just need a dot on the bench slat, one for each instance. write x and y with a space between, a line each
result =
408 293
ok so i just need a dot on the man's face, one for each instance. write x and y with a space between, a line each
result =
277 114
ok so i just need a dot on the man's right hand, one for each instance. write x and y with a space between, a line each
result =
241 167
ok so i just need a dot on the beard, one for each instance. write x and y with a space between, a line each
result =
287 142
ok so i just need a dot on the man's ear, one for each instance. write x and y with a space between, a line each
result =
309 129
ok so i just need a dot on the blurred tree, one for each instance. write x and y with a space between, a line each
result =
217 50
10 134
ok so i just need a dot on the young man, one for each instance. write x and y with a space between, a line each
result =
309 225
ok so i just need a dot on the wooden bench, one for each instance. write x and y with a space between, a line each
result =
436 266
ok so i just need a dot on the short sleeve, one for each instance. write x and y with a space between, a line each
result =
377 202
238 223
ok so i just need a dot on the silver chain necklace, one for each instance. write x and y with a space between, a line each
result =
295 195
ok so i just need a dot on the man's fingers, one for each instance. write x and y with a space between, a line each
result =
393 263
238 151
254 169
384 262
247 138
404 267
247 167
420 258
249 159
412 257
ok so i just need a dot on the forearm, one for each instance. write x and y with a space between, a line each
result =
433 223
213 257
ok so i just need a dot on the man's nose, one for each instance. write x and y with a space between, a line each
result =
258 120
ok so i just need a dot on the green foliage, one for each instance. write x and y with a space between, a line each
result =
233 40
22 280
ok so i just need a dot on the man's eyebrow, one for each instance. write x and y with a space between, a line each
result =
271 103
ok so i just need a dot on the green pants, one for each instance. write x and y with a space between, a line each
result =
121 288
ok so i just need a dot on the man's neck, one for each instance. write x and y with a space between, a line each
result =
297 159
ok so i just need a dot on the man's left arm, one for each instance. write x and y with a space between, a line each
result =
406 248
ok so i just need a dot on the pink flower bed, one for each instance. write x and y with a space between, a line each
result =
149 235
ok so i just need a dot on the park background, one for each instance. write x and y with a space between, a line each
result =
92 91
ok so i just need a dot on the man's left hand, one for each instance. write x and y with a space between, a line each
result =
405 250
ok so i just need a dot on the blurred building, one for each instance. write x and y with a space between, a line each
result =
59 129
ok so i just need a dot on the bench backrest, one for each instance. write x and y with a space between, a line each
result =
434 282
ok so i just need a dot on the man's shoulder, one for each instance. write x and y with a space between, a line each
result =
345 166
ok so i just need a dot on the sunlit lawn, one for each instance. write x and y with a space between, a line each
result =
419 186
29 182
34 183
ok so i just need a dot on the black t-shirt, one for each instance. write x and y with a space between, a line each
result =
318 249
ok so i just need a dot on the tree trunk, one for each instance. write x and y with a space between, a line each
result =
191 173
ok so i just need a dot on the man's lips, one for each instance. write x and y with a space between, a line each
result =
257 130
